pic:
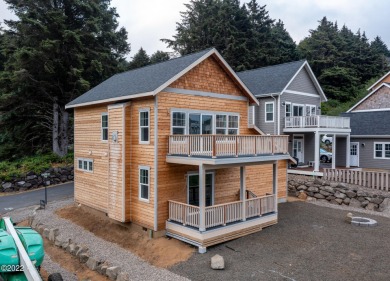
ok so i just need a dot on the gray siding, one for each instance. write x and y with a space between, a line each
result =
341 151
299 99
303 83
308 146
269 127
366 154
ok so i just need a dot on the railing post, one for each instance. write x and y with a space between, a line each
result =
214 147
255 145
224 215
236 146
189 145
184 211
272 143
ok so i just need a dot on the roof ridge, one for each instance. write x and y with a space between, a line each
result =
172 59
270 66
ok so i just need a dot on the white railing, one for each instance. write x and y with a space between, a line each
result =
317 121
372 179
226 145
221 214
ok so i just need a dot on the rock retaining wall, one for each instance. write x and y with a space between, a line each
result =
32 180
316 189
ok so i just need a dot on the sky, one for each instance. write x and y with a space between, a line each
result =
148 21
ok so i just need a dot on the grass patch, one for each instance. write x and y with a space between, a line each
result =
37 164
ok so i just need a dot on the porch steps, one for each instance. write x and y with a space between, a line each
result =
218 239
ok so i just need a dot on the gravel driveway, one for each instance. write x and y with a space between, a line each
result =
309 243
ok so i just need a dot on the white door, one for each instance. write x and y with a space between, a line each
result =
298 149
354 154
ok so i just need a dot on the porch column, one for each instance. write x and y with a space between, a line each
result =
348 152
243 192
275 183
202 198
316 151
334 152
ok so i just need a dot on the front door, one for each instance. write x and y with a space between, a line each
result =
193 189
298 149
354 154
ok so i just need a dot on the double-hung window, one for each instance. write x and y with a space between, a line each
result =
269 112
178 123
85 164
144 126
382 150
144 183
221 124
233 125
104 126
288 109
226 124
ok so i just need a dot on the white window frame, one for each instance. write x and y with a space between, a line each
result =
310 106
185 121
141 127
285 109
147 168
88 161
104 128
273 112
383 150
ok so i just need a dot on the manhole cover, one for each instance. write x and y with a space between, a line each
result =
359 221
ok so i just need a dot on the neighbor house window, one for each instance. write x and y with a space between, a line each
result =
144 183
104 126
288 109
382 150
144 124
310 110
85 164
178 123
269 112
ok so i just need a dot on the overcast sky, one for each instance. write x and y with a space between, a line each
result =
147 21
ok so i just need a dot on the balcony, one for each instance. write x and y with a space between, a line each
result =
223 146
317 122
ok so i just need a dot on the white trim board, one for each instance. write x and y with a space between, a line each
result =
302 93
380 79
371 136
366 97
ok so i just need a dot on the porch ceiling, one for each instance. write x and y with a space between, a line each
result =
193 160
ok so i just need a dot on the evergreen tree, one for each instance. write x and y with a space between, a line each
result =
55 50
159 56
140 59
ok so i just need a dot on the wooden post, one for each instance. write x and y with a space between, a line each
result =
214 147
348 152
275 184
202 198
243 192
317 151
236 146
184 212
224 215
333 152
189 145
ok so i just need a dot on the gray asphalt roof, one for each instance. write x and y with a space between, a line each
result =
140 80
270 79
369 123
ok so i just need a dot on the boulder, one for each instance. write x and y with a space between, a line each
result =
53 233
348 218
355 203
318 181
365 203
385 206
342 185
123 276
31 177
92 263
325 193
83 258
347 201
71 249
334 202
81 250
46 233
361 199
333 184
372 207
302 195
376 200
361 193
217 262
319 196
309 183
331 197
112 272
6 185
312 199
102 268
27 185
350 194
338 200
302 187
20 183
340 195
312 189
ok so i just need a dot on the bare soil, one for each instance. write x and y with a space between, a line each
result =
161 252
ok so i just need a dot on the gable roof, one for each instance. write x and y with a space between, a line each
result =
275 79
380 79
367 96
369 123
151 79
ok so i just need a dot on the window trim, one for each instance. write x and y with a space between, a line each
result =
139 183
265 112
88 160
185 121
383 150
285 109
140 127
310 106
102 128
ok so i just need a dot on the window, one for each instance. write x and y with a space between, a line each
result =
144 183
310 110
382 150
269 112
178 123
144 126
233 125
104 126
288 109
221 124
297 109
85 164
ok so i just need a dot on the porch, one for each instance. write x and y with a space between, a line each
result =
317 121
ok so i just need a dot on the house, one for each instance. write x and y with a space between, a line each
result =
169 147
370 130
290 99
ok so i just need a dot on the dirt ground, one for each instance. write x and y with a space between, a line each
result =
161 252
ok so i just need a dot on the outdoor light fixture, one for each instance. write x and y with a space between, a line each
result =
363 144
319 107
283 103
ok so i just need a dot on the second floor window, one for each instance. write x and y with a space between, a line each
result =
144 124
288 109
310 110
269 112
104 126
178 123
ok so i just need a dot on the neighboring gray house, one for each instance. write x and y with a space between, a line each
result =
290 103
370 128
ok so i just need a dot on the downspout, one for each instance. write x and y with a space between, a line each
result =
279 123
155 162
275 123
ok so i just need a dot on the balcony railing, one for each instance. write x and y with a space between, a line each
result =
222 214
226 145
317 121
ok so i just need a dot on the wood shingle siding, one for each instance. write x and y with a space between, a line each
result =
379 100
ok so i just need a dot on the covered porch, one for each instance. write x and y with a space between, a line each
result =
207 224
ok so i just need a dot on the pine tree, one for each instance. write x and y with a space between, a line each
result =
140 59
159 56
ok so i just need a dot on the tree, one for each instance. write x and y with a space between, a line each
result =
55 50
140 59
159 56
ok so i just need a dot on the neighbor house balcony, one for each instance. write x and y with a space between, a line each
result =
316 122
221 148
